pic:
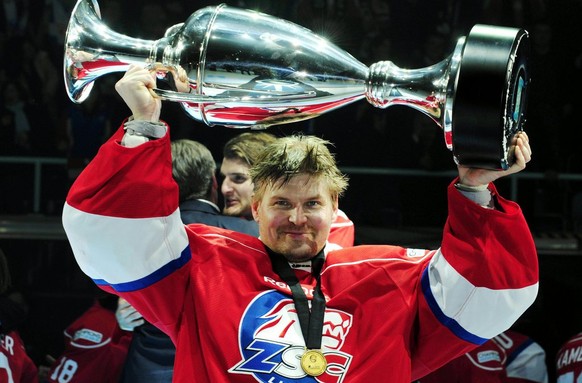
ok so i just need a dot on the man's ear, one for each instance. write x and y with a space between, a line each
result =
255 209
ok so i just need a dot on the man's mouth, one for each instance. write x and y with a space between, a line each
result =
296 234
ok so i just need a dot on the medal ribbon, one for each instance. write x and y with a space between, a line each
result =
311 322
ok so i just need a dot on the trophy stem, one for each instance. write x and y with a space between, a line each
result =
430 90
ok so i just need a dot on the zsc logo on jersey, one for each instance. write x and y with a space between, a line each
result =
271 343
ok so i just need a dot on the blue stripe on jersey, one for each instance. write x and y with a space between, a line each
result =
119 251
482 311
511 357
449 322
154 277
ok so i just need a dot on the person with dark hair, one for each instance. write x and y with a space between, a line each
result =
238 155
15 364
283 307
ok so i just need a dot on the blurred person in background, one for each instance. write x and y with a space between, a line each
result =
95 346
15 364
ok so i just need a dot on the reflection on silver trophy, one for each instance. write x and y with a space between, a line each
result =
248 69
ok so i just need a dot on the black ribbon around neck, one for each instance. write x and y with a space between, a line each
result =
311 321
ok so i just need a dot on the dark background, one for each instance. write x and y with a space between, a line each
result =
386 209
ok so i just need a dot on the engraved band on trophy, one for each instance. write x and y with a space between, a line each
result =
248 69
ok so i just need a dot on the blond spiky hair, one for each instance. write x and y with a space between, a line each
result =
294 155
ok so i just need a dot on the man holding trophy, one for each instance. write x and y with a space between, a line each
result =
281 308
285 307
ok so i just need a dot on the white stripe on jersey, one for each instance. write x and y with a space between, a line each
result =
342 224
134 249
475 308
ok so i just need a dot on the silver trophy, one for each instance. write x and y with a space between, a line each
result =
248 69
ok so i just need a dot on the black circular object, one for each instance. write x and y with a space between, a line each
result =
490 97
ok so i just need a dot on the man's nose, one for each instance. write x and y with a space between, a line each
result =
297 216
225 187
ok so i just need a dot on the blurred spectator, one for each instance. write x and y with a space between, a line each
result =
239 154
15 117
485 364
526 359
510 357
15 18
56 15
95 346
569 361
41 77
15 364
13 306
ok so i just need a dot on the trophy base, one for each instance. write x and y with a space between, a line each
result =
489 106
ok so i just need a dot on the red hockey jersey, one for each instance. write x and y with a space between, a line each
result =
392 314
569 361
15 364
526 359
485 364
95 349
510 357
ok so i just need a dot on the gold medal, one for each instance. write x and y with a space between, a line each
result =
313 362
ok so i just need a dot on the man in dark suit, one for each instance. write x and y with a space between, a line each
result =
151 352
194 170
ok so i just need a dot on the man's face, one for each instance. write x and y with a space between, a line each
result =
295 218
236 188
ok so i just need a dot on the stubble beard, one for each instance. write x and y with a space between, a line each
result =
298 251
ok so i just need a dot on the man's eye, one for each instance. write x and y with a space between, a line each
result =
313 203
282 203
239 179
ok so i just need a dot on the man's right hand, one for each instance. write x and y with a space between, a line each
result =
135 87
127 317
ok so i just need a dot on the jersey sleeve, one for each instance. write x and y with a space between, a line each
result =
526 359
122 220
482 279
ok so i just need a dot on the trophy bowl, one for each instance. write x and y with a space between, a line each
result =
247 69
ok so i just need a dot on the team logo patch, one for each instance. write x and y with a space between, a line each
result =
271 343
488 356
88 335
